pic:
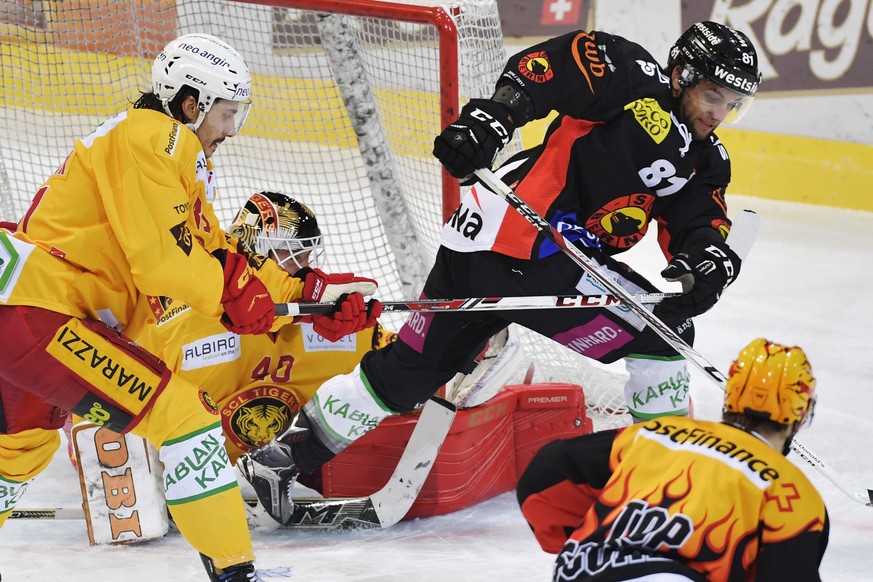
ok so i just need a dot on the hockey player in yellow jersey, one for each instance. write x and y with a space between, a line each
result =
129 213
681 499
259 382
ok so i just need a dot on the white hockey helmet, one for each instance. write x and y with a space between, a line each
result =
207 64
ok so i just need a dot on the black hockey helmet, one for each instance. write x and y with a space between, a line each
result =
713 51
269 222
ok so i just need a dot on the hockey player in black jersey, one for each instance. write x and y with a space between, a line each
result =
633 143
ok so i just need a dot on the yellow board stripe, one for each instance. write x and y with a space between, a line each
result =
63 81
779 167
783 167
800 169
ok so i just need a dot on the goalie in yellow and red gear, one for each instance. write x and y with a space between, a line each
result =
258 382
694 499
126 215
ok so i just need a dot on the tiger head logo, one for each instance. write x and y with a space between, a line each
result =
259 424
255 415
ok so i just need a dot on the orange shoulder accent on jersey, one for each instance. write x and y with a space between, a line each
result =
539 188
591 62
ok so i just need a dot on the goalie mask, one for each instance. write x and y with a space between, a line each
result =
772 381
210 66
280 227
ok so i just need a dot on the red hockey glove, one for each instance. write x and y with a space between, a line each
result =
351 315
319 286
248 308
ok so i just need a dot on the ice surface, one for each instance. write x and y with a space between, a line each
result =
806 282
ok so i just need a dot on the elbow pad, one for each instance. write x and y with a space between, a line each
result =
517 102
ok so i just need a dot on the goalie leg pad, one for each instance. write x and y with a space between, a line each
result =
657 386
122 493
502 361
343 409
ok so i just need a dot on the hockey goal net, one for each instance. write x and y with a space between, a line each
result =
348 95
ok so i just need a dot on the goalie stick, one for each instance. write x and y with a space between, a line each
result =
389 504
747 222
482 303
382 509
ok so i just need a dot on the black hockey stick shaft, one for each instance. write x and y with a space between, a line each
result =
482 303
48 513
497 186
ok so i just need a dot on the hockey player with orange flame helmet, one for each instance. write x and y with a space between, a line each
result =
689 499
128 214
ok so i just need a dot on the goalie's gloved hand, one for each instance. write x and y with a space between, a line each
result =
351 315
248 308
704 273
319 286
471 142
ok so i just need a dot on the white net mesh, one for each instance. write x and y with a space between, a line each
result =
71 65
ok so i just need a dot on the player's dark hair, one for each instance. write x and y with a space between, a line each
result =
150 101
750 422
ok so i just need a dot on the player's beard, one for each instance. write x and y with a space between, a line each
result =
692 120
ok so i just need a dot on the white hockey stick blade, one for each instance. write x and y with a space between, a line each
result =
744 230
388 505
807 455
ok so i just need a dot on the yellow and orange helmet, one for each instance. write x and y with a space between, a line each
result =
771 381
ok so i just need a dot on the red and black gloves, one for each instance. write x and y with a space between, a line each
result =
471 142
248 307
704 272
351 313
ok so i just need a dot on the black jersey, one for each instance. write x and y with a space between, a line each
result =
617 156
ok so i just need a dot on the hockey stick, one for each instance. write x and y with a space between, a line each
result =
389 504
382 509
48 513
482 303
497 186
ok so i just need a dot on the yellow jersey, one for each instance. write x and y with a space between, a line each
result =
677 495
257 381
128 212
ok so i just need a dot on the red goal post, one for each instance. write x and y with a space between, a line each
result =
437 16
348 97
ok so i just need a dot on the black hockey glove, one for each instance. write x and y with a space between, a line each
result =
704 273
474 139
